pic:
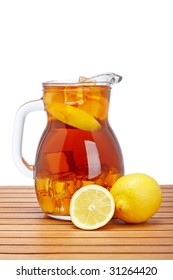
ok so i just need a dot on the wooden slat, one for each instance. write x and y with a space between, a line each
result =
79 256
86 234
27 233
17 199
90 249
67 241
16 204
17 195
19 189
20 210
46 226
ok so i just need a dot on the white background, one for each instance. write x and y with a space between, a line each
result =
164 269
44 40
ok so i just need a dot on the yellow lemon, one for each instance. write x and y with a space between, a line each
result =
73 116
91 207
137 197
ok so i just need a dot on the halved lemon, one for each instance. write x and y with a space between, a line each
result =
91 207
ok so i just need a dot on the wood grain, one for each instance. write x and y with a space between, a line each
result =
26 233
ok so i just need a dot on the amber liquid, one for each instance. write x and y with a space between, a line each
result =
69 158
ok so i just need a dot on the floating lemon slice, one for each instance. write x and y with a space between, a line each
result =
73 116
91 207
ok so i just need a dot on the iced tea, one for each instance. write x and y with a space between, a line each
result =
77 148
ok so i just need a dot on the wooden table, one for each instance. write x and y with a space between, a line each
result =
27 233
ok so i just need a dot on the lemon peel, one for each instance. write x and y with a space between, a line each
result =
137 197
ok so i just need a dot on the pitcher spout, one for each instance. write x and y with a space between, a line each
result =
103 79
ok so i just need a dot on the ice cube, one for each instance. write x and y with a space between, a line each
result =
43 186
85 183
47 204
112 177
83 79
62 206
52 97
74 96
56 162
59 189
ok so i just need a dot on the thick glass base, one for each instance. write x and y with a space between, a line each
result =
65 218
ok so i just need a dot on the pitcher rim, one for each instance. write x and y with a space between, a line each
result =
104 79
70 83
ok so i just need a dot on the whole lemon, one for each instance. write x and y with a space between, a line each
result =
137 197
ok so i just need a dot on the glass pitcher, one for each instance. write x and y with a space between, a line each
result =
77 147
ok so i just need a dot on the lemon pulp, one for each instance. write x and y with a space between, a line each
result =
91 207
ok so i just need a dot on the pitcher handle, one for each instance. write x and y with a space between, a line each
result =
21 114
